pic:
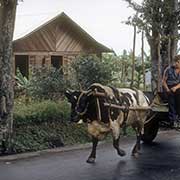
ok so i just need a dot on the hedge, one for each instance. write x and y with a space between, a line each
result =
41 112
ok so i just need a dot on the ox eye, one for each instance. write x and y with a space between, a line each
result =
75 97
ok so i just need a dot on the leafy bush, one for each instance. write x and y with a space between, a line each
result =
38 137
90 69
22 84
39 112
42 125
47 83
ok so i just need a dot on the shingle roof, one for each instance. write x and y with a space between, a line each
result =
63 17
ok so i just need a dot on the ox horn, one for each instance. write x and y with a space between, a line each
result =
89 92
68 92
80 87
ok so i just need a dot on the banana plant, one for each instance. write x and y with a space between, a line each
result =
22 85
22 81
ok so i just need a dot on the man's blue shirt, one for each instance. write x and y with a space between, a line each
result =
172 77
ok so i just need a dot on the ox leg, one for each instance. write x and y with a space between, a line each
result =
136 148
115 127
92 156
116 146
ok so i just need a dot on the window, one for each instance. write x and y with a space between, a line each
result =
56 61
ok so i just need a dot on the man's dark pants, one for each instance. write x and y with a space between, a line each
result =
177 101
174 104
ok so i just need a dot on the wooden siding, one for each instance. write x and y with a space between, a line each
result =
47 40
42 40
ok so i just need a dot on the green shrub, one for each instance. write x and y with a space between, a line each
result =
39 112
47 83
91 69
38 137
22 84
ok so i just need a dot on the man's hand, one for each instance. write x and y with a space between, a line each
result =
173 89
168 90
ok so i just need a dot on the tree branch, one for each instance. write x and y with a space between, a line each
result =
134 5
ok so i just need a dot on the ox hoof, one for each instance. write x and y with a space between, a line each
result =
136 155
91 160
122 152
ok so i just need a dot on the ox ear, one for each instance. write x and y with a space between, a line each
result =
68 93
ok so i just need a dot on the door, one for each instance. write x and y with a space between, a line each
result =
21 62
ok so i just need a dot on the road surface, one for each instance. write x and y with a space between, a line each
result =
160 161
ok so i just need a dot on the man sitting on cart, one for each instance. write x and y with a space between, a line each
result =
171 84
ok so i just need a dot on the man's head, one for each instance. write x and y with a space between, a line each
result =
177 61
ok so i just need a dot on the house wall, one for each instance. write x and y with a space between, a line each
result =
39 59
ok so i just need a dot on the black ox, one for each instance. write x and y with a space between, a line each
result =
101 119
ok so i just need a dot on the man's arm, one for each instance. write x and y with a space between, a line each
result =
175 87
164 79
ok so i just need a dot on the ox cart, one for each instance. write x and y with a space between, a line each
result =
159 115
159 118
108 109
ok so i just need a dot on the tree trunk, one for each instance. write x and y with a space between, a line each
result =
159 80
154 46
142 56
122 72
133 57
7 19
170 35
174 30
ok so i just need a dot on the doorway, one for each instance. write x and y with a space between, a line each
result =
21 63
57 61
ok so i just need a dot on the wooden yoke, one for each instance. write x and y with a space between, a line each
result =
95 93
130 107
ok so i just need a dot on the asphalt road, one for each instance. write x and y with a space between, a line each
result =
160 161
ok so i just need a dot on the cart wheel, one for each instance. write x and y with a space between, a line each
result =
150 131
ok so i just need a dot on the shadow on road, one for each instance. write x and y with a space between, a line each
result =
159 160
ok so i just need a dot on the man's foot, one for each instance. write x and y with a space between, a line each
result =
176 124
178 118
172 124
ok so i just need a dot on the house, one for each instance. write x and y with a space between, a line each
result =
55 43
